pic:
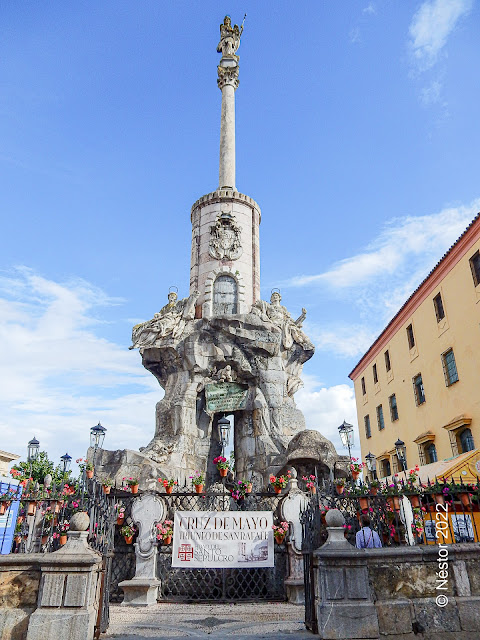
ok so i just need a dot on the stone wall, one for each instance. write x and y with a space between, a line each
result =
50 595
391 593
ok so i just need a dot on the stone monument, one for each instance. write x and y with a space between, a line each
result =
221 351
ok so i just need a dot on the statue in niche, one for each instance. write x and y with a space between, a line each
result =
277 314
229 38
170 321
225 238
226 374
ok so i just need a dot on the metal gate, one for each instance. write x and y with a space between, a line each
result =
206 585
222 585
311 540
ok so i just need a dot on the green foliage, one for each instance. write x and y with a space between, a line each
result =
40 467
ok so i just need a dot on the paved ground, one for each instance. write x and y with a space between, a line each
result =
269 621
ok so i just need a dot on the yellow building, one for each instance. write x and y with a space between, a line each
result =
419 382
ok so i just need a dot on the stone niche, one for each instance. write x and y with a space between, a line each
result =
254 362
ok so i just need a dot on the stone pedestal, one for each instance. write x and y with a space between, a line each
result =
142 590
69 593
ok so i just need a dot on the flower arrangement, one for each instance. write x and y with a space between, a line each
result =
167 482
84 464
280 531
221 462
309 482
413 474
128 531
392 489
198 478
64 526
339 482
107 482
130 482
375 484
280 482
417 525
356 466
164 531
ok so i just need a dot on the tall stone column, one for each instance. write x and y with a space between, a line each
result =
228 83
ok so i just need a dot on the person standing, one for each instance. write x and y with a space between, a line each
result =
367 538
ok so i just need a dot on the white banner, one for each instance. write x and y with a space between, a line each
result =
222 539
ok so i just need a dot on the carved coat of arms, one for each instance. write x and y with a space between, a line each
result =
225 238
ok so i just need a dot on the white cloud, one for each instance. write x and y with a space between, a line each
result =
430 28
354 35
59 377
325 408
405 244
370 9
431 94
345 341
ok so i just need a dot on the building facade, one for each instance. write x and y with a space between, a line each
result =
419 380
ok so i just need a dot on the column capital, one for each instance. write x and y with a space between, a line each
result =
227 75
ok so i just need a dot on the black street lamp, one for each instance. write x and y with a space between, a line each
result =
97 436
371 461
346 436
224 432
33 449
401 451
66 462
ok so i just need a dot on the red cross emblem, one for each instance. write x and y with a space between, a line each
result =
185 552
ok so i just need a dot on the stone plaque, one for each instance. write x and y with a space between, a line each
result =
226 396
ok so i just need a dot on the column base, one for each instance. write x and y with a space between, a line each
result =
139 592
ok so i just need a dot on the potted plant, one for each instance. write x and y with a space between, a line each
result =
356 467
120 512
418 526
280 531
392 492
310 483
63 527
245 486
465 492
107 484
279 482
374 487
87 466
165 531
439 490
46 534
168 483
132 484
362 491
222 465
198 480
128 531
340 484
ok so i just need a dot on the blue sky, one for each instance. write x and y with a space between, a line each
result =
357 133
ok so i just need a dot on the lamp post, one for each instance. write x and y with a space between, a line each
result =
401 451
371 464
97 436
66 462
33 449
346 436
224 432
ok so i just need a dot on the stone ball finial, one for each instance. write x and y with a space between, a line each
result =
334 518
293 472
47 481
79 521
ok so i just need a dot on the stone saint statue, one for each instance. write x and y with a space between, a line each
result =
277 314
169 321
229 38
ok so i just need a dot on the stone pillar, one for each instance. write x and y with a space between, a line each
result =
227 128
345 607
69 589
142 590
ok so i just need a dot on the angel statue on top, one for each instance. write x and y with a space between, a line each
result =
229 38
169 321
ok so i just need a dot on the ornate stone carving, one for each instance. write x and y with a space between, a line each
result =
170 321
225 238
275 313
228 75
